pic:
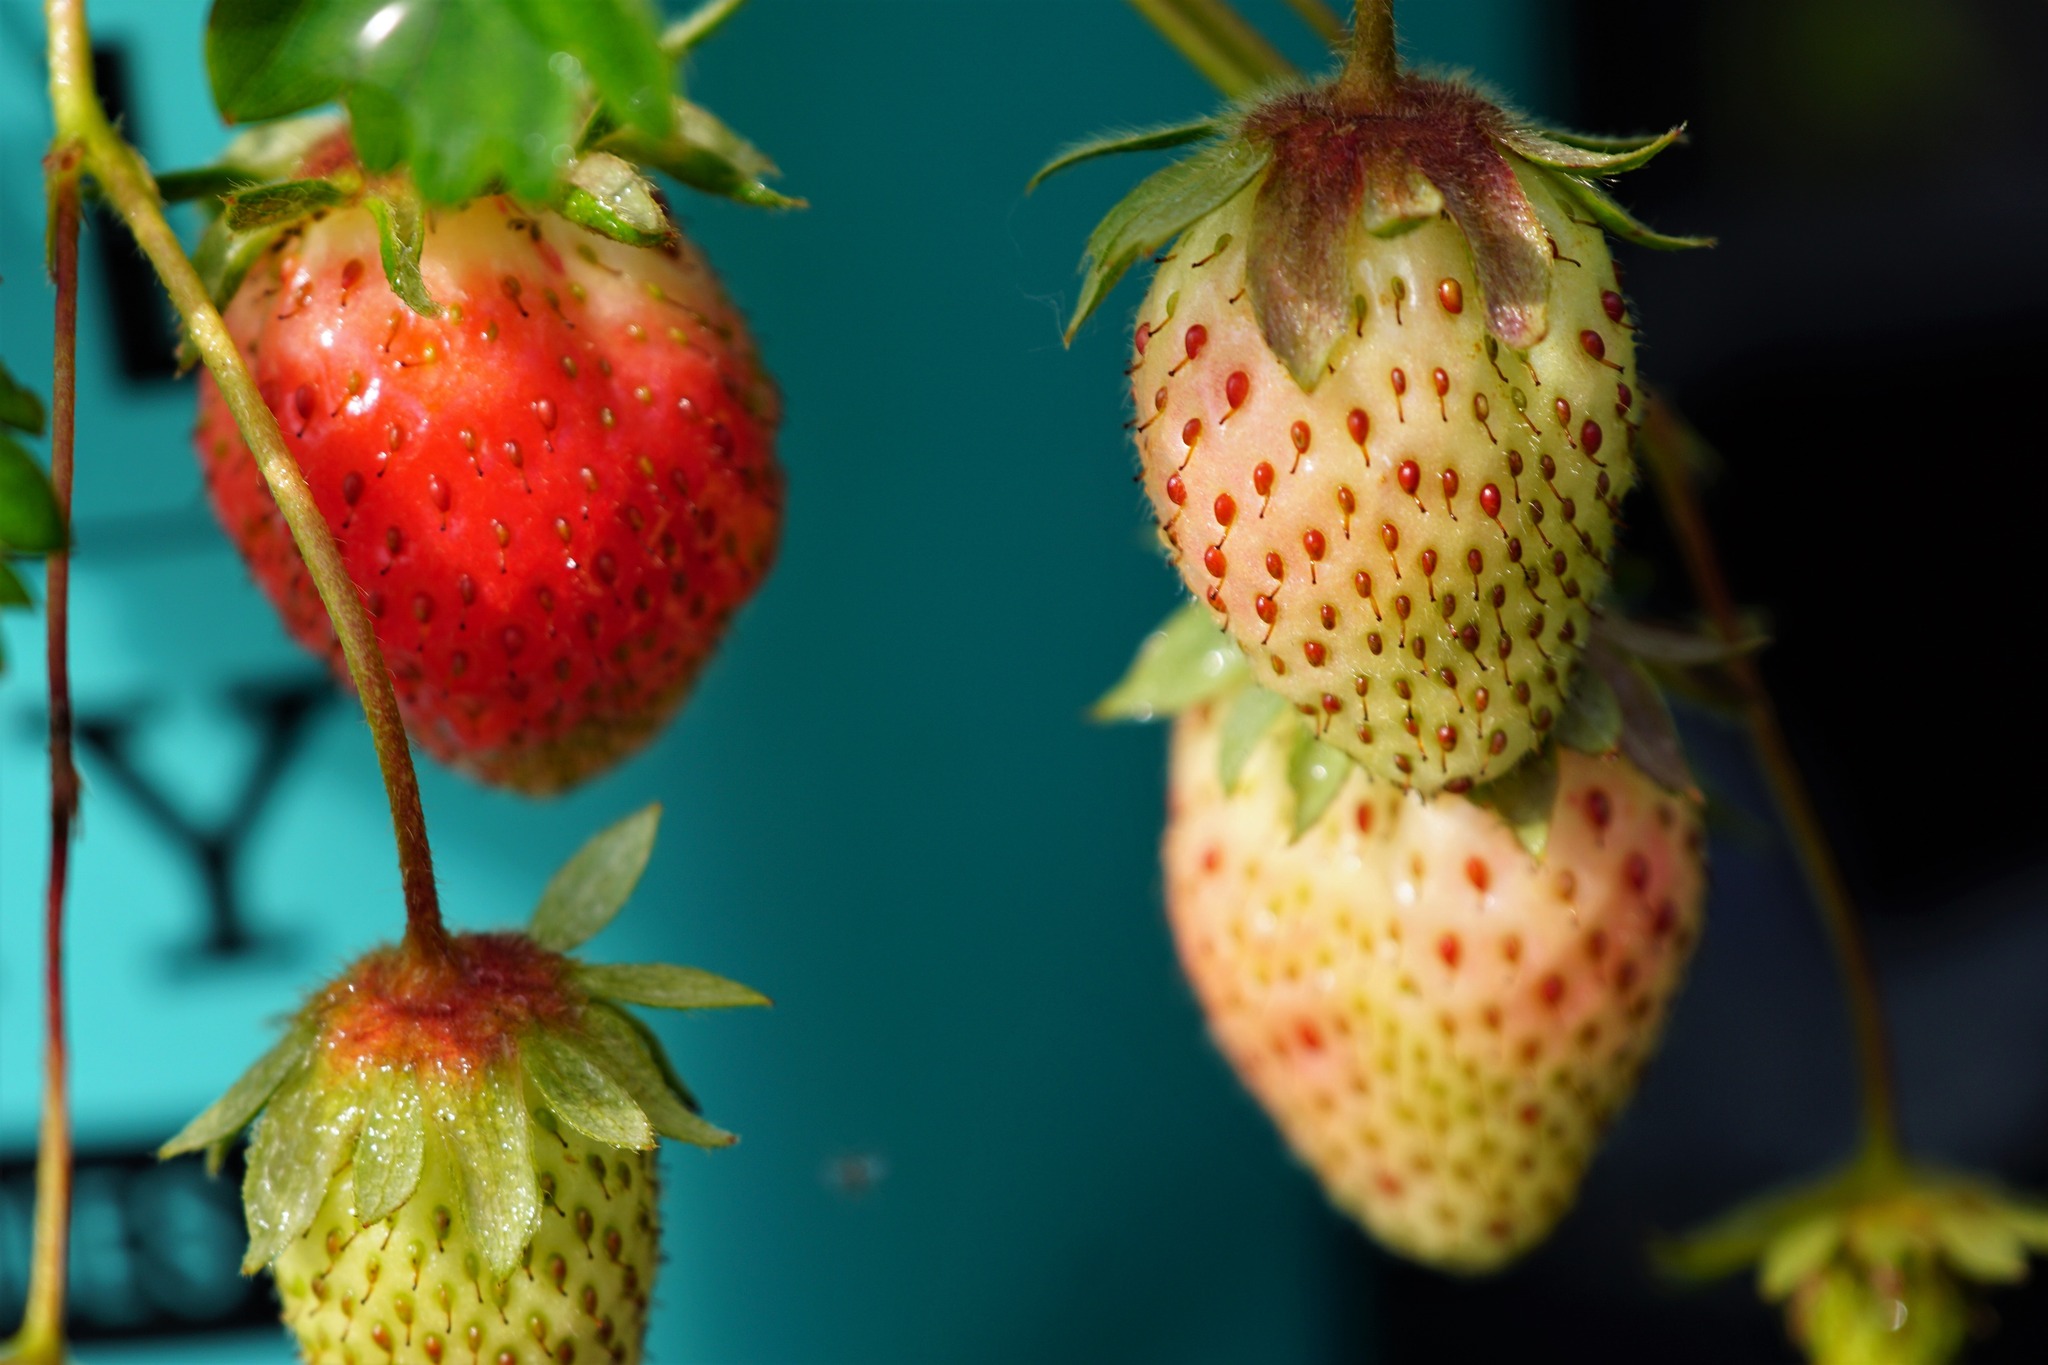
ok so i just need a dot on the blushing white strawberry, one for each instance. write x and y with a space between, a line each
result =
1441 1024
1408 550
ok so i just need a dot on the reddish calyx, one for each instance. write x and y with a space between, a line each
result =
389 1011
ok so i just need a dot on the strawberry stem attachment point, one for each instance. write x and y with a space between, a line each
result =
126 185
1374 65
1665 440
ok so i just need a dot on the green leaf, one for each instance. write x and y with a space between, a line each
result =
13 592
1316 772
1114 144
619 48
693 28
582 1093
305 1132
29 520
401 237
481 91
1617 221
1163 205
706 155
591 887
392 1145
607 195
484 1120
1245 724
620 1045
1589 156
19 407
664 985
1524 796
1592 718
230 1114
1188 659
283 204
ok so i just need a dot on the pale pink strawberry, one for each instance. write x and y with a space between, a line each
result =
1441 1024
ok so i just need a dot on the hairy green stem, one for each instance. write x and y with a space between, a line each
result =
1664 452
126 185
1373 65
1215 38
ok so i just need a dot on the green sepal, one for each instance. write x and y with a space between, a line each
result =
1114 144
483 1118
1617 221
1800 1251
1316 772
284 204
583 1094
1581 155
217 181
705 154
1247 722
392 1145
1297 265
618 45
693 28
1162 205
1654 644
401 239
30 523
1524 797
1187 660
664 985
224 259
13 592
619 1042
19 406
1398 197
305 1133
652 1042
1648 735
1591 720
608 196
231 1113
590 888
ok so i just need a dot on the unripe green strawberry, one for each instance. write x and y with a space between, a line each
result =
1440 1024
452 1160
1407 550
1385 393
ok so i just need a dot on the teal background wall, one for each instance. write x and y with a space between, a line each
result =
884 806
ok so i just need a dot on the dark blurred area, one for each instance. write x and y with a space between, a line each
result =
1859 349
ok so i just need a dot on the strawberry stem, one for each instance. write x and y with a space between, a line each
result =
127 186
41 1338
1666 439
1215 38
1373 66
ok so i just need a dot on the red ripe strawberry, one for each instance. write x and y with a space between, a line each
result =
1440 1024
553 496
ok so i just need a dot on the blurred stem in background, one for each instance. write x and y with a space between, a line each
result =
1225 48
40 1340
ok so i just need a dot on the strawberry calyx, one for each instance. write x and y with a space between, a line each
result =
1334 160
395 1058
1615 706
1873 1262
